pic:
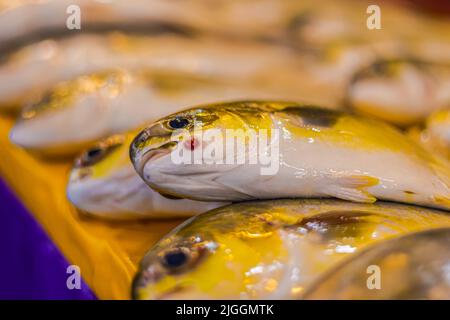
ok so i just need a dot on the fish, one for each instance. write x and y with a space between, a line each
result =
274 249
103 183
245 150
24 21
308 22
315 27
29 73
401 91
333 66
434 134
76 113
412 267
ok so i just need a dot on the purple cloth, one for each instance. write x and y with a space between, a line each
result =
31 265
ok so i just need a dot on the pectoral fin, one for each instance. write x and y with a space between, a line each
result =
352 188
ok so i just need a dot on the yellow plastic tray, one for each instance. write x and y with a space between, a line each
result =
106 252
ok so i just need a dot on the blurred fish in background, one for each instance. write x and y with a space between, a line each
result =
403 92
261 49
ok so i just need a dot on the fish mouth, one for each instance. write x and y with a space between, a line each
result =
148 279
79 174
140 160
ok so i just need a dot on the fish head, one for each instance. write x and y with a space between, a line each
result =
211 257
402 92
70 116
174 270
193 145
93 180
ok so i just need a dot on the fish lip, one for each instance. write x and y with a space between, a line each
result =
153 278
75 190
135 152
141 159
152 275
78 174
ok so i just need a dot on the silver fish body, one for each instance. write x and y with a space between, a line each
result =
303 151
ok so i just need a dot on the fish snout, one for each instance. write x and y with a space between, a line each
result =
145 278
79 174
147 147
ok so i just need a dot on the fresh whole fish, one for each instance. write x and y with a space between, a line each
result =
411 267
23 21
269 249
402 92
28 73
300 151
310 22
79 112
103 183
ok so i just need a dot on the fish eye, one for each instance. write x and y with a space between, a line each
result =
177 259
178 123
92 155
95 154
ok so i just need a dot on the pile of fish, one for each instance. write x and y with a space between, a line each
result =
353 128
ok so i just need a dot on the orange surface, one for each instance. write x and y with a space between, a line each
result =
106 252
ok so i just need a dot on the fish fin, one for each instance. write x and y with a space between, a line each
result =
352 188
356 181
350 194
